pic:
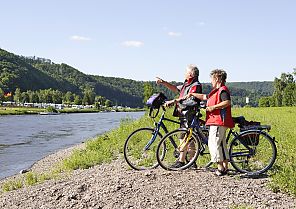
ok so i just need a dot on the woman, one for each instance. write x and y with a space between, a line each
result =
218 117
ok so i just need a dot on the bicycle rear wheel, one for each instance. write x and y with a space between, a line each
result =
140 148
252 151
168 153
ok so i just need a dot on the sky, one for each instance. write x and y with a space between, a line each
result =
252 40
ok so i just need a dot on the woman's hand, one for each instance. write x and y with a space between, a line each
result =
170 103
210 109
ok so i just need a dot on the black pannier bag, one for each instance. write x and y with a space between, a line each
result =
156 100
250 139
187 107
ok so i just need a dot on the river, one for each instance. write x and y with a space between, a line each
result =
25 139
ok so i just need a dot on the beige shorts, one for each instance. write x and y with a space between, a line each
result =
217 144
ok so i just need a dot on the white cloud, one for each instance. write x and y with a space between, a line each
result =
201 23
132 43
79 38
175 34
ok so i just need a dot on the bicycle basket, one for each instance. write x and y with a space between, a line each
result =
156 100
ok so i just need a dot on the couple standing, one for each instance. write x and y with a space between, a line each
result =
218 112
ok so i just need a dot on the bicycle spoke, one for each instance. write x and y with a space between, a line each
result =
252 152
139 152
167 157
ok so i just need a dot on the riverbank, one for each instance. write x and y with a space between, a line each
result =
27 110
114 185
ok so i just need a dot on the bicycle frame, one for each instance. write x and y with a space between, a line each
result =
159 125
243 142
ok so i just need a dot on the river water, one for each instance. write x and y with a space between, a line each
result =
25 139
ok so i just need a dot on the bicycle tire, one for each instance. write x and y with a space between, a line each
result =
134 153
203 161
167 151
256 160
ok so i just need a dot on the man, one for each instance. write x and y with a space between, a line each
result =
190 85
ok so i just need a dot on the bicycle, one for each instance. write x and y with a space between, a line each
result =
252 150
139 147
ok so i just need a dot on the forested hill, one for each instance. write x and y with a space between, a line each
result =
31 73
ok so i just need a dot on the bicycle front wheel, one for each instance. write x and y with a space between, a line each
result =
253 151
140 148
168 151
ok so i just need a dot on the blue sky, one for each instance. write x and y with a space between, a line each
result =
252 40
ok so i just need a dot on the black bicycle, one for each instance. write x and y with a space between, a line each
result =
252 150
140 146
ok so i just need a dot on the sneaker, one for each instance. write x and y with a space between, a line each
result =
177 164
193 166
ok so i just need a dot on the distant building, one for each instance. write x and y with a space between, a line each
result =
247 100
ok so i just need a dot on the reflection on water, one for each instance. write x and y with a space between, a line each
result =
24 139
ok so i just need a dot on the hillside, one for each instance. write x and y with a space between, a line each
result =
33 73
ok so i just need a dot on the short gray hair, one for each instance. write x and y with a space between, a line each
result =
220 74
193 69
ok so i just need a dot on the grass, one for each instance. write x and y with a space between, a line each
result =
28 179
109 146
282 121
18 110
105 147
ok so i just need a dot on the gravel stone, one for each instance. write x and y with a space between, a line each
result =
115 185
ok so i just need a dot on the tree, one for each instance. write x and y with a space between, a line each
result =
148 91
1 95
34 97
68 98
264 102
17 95
57 97
108 103
289 95
89 96
100 100
284 90
25 97
77 100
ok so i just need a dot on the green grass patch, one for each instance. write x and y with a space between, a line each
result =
282 121
19 110
12 185
105 147
29 179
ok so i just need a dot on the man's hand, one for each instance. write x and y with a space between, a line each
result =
187 96
159 80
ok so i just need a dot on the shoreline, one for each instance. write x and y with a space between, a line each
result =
46 163
4 111
114 185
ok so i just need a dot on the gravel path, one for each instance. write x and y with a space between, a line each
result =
116 186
